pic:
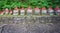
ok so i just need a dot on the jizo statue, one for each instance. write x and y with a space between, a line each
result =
22 11
57 10
37 10
1 13
15 11
7 10
11 12
29 10
51 11
44 10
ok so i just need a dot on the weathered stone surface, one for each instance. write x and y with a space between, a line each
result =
30 24
31 28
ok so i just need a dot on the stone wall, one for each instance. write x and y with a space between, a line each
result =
30 24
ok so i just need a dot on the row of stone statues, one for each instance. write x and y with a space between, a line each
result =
30 11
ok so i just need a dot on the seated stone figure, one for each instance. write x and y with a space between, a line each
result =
1 12
57 10
6 10
50 11
44 11
22 11
37 10
11 12
29 11
15 11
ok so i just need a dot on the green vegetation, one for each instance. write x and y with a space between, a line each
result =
40 3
